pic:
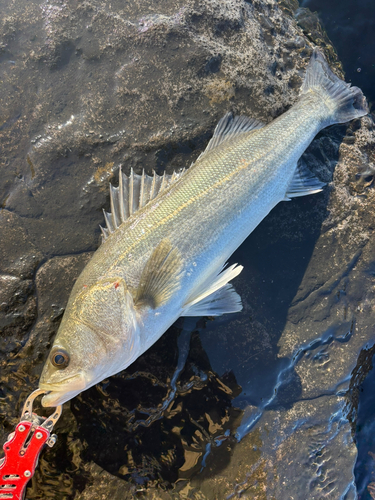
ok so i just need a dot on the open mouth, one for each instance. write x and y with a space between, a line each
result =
57 394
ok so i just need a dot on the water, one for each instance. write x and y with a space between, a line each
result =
232 408
365 466
351 25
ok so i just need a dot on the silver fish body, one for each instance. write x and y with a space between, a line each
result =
166 259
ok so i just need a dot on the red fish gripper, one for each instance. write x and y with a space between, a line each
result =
23 447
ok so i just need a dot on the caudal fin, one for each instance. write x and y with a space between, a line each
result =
344 102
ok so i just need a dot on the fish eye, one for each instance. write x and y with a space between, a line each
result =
60 358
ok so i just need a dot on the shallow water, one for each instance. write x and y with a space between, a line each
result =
251 405
351 25
365 435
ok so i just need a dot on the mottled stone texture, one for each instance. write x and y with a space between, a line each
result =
89 85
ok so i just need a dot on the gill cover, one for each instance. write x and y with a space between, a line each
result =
106 307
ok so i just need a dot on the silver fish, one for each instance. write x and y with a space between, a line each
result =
168 238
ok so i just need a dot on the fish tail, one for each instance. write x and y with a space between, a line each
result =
343 102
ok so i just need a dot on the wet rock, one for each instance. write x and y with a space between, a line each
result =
294 448
54 281
104 485
18 255
17 311
365 437
100 70
256 404
30 314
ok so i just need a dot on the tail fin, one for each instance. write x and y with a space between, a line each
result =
344 102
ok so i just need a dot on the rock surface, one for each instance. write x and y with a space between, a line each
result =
257 405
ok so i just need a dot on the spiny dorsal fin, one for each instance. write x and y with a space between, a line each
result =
303 182
229 127
134 192
161 276
216 296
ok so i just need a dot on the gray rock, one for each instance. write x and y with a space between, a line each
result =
261 404
18 255
30 313
17 311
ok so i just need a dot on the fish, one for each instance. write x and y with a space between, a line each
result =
167 238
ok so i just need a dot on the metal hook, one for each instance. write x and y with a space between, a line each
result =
27 411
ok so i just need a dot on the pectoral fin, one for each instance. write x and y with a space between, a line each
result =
161 276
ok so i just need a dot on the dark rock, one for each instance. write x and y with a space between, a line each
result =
28 326
255 402
54 281
18 255
17 311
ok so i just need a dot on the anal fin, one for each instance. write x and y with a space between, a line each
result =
303 182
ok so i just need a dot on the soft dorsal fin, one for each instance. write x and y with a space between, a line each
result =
161 276
216 296
134 192
303 182
229 127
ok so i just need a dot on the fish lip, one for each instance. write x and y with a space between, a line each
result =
57 394
54 398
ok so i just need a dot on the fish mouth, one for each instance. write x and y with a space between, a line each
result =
57 394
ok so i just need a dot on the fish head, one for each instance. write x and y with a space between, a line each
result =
98 337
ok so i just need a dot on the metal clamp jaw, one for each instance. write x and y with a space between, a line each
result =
23 447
